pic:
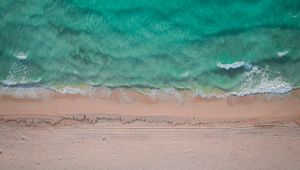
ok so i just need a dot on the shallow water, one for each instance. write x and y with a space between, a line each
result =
239 47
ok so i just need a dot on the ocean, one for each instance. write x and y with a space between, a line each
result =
209 47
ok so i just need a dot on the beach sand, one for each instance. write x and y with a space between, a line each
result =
128 130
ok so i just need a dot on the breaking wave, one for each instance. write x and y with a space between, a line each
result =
235 65
259 81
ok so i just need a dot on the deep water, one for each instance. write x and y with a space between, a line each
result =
241 46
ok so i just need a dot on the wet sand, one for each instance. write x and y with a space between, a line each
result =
130 105
128 130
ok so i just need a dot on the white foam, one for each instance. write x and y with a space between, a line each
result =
258 81
282 53
17 74
234 65
31 93
165 94
43 92
21 56
211 95
76 90
255 81
12 82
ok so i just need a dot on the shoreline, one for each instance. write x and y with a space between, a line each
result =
131 108
38 92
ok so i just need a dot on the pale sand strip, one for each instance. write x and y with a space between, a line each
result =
89 147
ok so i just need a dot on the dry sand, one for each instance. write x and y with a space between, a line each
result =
137 132
90 147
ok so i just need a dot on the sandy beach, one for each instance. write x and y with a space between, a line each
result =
92 147
139 84
94 132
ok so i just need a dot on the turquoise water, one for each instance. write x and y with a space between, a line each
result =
242 46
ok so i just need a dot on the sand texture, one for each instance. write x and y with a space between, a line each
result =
76 132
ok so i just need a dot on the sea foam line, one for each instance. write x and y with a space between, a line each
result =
255 81
235 65
155 94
